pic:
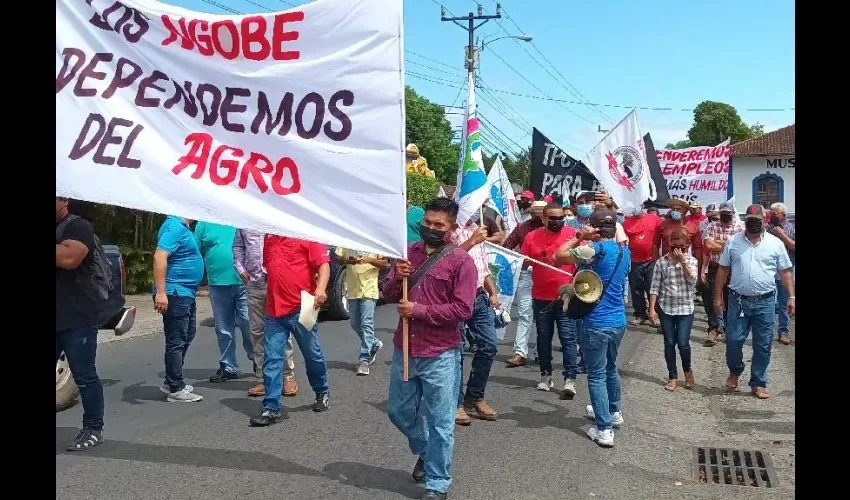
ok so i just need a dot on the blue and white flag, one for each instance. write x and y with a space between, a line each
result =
505 267
502 197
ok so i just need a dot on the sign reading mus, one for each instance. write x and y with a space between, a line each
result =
252 121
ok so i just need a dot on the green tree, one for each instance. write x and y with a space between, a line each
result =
428 128
421 189
714 122
684 143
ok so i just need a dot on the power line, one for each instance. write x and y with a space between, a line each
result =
571 89
222 7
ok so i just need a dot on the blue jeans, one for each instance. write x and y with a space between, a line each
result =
483 330
742 316
782 306
179 325
277 331
80 348
549 314
599 348
677 333
525 311
230 309
423 409
362 319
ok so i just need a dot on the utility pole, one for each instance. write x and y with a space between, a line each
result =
471 49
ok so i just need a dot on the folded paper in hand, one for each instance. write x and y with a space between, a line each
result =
309 314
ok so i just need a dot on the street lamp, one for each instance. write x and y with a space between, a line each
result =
524 38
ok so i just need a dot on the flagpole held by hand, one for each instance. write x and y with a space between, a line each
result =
405 330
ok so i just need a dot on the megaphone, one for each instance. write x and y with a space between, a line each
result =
586 287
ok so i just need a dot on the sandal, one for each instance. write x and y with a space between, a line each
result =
86 439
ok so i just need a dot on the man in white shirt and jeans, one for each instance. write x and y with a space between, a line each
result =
752 260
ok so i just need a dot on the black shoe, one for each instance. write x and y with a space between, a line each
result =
266 418
85 440
419 471
323 402
223 376
255 367
434 495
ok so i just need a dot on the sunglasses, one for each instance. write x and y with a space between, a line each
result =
550 217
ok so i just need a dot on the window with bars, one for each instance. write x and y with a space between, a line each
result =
767 191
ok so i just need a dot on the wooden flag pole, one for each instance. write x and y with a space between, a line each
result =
405 331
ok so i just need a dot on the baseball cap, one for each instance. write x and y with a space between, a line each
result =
726 207
711 208
527 194
754 212
539 204
603 218
696 204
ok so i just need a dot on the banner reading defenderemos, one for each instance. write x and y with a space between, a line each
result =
699 173
289 123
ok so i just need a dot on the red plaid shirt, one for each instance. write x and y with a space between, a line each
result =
720 232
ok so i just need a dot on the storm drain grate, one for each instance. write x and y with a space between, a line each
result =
734 467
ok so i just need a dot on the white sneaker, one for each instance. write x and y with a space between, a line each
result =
545 383
167 390
616 418
184 396
569 387
602 438
363 368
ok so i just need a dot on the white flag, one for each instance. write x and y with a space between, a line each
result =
502 197
442 192
619 163
505 267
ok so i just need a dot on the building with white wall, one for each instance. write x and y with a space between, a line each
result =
762 170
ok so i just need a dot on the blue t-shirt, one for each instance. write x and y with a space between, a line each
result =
611 311
185 265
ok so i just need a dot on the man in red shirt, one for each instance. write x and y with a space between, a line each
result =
696 214
641 229
541 245
292 266
676 220
440 298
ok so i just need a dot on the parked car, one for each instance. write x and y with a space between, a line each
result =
117 317
336 307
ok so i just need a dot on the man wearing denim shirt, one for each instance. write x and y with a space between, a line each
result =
752 260
248 262
423 407
177 273
603 328
292 267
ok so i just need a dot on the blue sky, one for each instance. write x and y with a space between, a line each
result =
651 53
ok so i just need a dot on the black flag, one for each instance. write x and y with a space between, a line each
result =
658 182
555 172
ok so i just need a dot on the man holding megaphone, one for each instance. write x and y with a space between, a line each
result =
604 320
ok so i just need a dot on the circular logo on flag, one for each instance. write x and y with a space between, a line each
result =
626 166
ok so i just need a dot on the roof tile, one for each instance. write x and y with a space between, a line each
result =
777 143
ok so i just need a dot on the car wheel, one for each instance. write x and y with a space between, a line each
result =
338 302
66 388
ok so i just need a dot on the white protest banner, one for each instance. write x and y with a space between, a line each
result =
619 163
699 173
504 271
288 123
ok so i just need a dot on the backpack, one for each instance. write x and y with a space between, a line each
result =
98 277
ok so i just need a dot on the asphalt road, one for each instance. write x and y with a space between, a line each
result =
537 448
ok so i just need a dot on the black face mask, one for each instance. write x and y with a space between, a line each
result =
524 205
555 225
433 238
753 226
714 219
726 218
774 220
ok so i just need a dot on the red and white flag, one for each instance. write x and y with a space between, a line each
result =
619 163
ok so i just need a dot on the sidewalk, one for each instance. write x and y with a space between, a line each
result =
148 322
662 427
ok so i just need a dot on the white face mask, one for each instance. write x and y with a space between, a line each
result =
570 217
